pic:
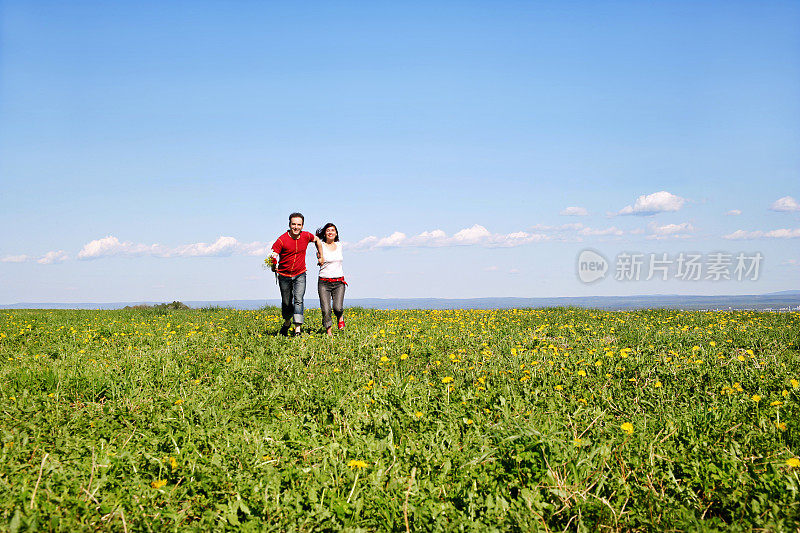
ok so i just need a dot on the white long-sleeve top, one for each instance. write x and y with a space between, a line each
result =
332 267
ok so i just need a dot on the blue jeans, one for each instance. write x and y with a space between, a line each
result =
292 292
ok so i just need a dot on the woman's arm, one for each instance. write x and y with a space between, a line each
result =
320 255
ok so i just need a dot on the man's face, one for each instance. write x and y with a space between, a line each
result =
295 226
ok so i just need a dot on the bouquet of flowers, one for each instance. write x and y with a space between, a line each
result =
271 263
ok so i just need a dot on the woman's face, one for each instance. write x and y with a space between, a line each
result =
330 234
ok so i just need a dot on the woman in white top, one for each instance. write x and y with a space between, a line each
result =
331 284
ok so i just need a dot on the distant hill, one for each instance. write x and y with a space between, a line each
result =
783 300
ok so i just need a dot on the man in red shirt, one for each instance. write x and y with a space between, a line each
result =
291 268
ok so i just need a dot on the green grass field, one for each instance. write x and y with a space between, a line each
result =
558 419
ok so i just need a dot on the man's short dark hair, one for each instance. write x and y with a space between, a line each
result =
297 215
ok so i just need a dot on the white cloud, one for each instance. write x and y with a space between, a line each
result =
572 226
472 235
772 234
223 246
573 211
395 239
787 203
734 213
671 231
110 246
16 259
491 268
514 271
366 242
613 230
475 235
53 257
478 235
650 204
430 238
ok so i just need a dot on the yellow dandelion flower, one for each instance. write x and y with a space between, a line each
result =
581 373
404 357
357 463
157 484
795 383
418 414
627 427
756 398
794 462
178 402
776 403
658 385
447 379
559 387
781 425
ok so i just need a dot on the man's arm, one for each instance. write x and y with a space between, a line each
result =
276 249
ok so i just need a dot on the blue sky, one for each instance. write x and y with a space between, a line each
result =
152 150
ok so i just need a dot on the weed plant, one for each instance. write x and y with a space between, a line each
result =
554 419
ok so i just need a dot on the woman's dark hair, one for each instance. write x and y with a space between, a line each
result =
321 232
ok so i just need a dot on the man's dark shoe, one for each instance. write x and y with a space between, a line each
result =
284 331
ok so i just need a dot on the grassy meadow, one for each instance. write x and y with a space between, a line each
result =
544 420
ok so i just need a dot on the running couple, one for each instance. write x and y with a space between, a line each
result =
290 251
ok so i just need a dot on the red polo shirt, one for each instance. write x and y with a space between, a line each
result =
292 253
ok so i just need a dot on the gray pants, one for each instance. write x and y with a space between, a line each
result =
331 291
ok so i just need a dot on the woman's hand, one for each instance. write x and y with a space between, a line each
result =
320 260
